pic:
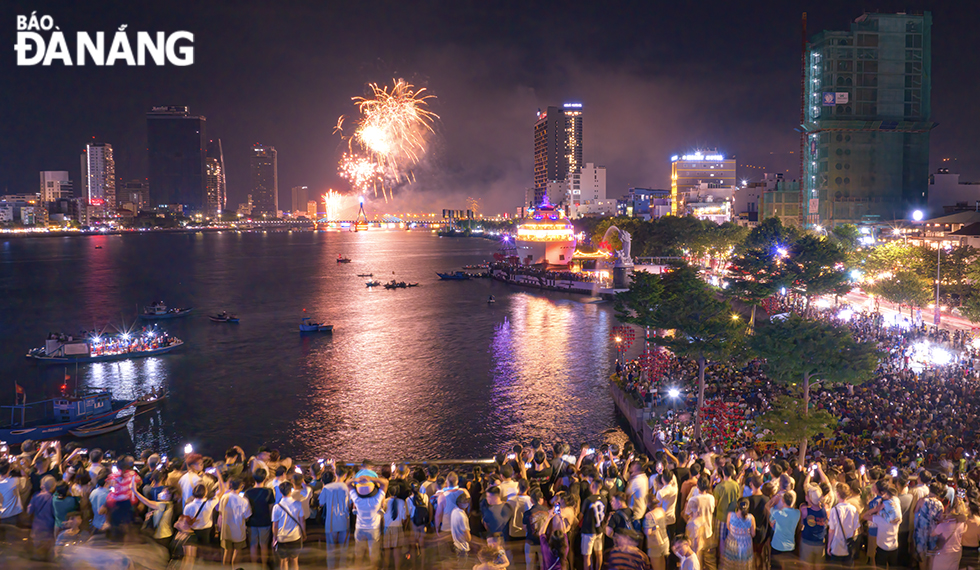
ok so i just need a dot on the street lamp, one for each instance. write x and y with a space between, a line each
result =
619 351
917 215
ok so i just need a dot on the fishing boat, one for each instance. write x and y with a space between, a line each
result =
307 325
373 283
365 274
413 284
159 310
396 284
99 428
98 247
342 259
491 300
63 349
48 419
455 276
223 317
152 400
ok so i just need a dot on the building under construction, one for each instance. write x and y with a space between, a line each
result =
866 120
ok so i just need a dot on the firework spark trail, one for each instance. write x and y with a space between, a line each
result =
361 172
391 132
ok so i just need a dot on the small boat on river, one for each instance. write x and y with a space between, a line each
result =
342 259
99 428
223 317
158 311
307 325
56 417
456 276
64 349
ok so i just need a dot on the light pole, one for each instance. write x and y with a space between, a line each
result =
619 352
937 316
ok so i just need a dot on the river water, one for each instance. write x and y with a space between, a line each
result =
424 373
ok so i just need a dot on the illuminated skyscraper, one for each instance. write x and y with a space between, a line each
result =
214 180
689 171
557 147
301 195
99 179
176 150
867 118
265 181
55 185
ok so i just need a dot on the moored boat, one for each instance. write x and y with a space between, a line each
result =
159 310
99 428
151 401
61 349
455 276
373 283
48 419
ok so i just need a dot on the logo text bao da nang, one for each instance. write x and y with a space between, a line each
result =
99 48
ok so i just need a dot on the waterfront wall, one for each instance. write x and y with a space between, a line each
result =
637 418
567 286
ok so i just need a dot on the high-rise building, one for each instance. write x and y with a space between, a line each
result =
688 172
216 193
557 146
99 179
134 192
176 149
265 181
301 195
55 185
311 209
867 109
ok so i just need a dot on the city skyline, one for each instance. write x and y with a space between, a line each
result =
646 102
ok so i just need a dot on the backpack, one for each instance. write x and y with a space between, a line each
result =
420 517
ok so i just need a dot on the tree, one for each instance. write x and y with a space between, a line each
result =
812 351
971 308
903 288
639 303
770 234
788 420
889 257
845 236
815 267
704 327
753 277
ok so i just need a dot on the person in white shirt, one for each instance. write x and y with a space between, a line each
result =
638 489
395 515
10 490
459 526
200 510
188 481
367 493
887 516
508 487
233 509
688 558
335 505
843 523
288 527
666 485
519 503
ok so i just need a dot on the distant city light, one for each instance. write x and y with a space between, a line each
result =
673 392
573 105
699 156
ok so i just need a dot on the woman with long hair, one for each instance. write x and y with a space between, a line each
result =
949 533
738 554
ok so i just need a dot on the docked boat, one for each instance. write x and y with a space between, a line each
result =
373 283
456 276
99 428
49 419
159 310
342 259
223 317
64 349
307 325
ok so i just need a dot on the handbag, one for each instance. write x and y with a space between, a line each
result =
299 526
852 546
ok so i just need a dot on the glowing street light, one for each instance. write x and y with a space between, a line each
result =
917 215
674 393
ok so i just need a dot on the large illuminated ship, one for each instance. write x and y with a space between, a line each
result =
545 237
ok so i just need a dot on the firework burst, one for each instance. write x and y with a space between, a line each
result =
391 132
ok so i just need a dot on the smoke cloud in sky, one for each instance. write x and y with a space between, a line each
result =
655 80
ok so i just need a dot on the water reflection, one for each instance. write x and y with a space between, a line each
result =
426 372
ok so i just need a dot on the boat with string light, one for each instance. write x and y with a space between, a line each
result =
95 347
545 237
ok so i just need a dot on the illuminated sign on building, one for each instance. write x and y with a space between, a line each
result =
698 156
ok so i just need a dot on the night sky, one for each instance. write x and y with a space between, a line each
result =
656 79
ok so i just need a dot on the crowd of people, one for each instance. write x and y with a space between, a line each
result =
537 507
